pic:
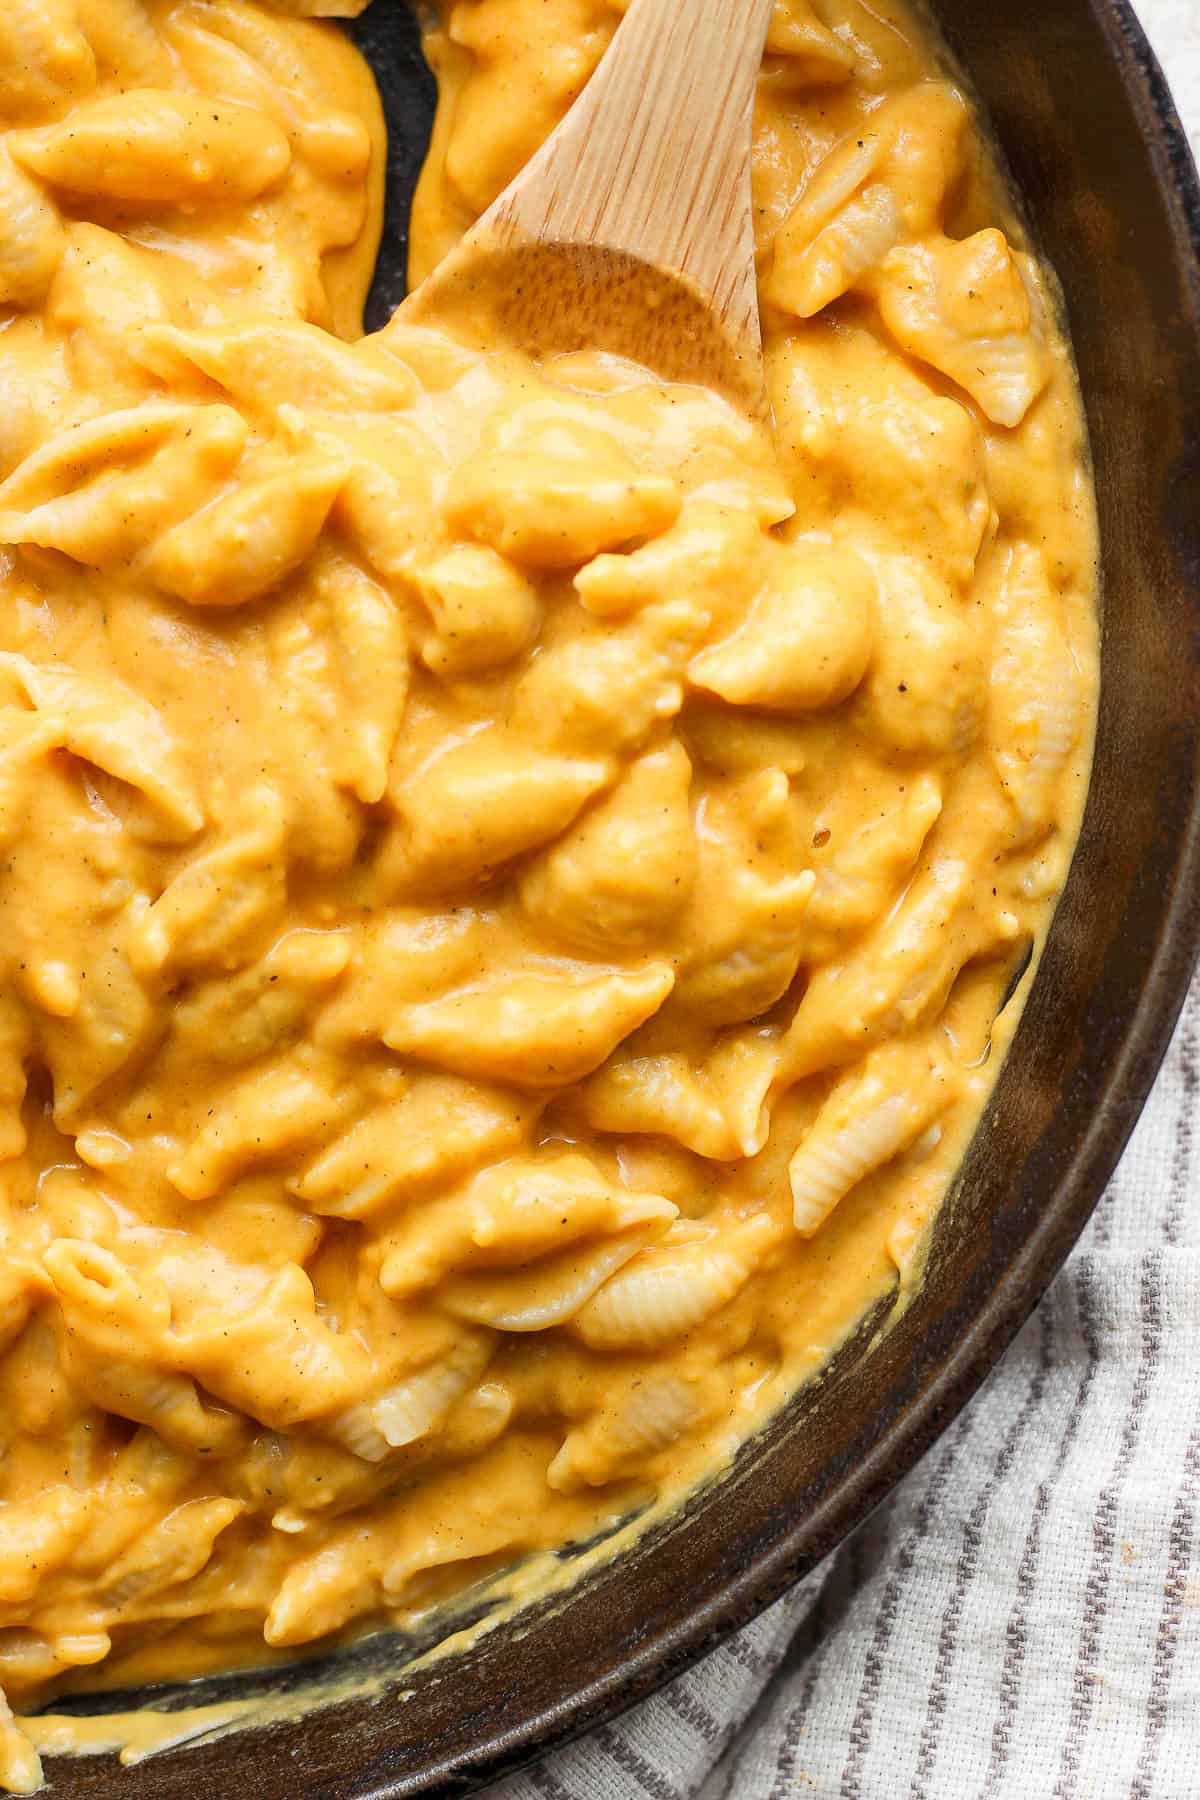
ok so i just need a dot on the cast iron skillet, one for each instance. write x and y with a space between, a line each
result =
1083 115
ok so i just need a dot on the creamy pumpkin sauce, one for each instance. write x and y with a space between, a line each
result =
509 873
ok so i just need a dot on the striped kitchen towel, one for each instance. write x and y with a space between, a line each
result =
1021 1621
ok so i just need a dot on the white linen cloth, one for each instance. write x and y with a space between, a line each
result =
1021 1620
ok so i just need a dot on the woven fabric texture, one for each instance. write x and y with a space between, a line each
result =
1021 1621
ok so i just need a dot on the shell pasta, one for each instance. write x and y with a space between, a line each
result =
511 868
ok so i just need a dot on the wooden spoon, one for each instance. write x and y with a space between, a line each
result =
630 230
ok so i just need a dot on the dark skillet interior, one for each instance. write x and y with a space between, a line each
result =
1085 121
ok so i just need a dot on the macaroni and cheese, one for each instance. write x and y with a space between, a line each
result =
509 876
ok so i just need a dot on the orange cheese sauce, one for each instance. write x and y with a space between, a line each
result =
510 876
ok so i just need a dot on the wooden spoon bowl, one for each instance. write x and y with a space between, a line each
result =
630 230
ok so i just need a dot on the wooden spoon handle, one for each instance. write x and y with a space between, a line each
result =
654 158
